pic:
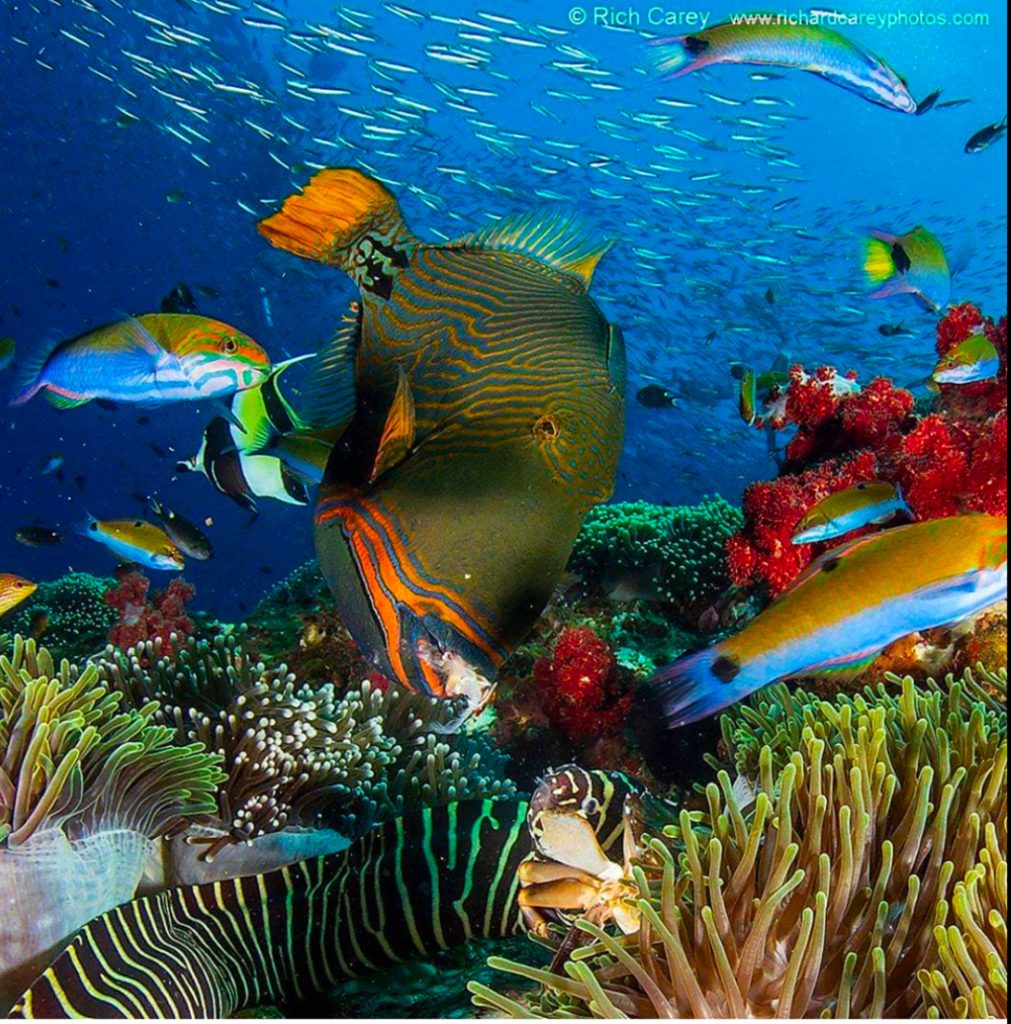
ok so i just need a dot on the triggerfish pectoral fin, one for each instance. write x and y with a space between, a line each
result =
398 433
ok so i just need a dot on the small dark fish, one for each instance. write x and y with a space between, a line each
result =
655 396
770 297
81 481
104 403
52 464
927 103
142 498
893 330
208 291
52 282
179 300
266 570
157 449
711 337
143 421
986 137
951 104
187 537
38 537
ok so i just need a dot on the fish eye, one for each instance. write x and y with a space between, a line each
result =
229 346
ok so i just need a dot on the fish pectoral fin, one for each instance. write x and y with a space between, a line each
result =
559 240
398 433
342 218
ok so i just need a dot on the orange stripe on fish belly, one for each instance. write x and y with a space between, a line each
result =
394 583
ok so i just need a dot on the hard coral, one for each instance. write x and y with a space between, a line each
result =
948 461
69 615
581 689
161 616
674 555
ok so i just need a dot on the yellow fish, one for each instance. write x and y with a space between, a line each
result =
134 540
481 392
14 590
846 609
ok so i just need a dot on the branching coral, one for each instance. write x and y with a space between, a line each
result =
68 615
948 461
580 687
144 616
84 786
299 756
676 555
824 888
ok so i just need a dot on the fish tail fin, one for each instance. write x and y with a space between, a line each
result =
28 379
87 526
338 212
697 686
879 266
680 55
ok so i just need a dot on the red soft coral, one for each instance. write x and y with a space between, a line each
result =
951 461
161 616
580 688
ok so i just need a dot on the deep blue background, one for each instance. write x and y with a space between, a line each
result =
99 217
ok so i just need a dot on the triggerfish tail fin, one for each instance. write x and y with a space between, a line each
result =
697 686
345 219
398 433
559 239
681 55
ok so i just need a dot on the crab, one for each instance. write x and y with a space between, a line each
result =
570 875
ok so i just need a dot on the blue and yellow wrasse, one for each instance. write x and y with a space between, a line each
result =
14 590
481 396
970 361
850 605
845 511
134 540
914 264
810 48
148 360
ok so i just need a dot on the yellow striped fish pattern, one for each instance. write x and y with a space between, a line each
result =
448 511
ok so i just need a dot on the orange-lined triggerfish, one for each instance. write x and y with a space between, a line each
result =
850 605
485 419
148 360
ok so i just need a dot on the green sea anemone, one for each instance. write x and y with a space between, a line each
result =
85 786
672 554
826 884
302 760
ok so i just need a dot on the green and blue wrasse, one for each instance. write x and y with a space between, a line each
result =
148 360
134 540
241 476
986 137
841 513
845 610
14 590
969 362
914 264
479 404
812 48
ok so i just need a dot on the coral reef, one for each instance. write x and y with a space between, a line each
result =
302 757
580 687
820 882
144 616
68 615
948 459
671 554
84 786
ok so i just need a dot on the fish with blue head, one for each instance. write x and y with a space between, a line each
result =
478 407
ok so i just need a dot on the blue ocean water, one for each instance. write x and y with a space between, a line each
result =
141 142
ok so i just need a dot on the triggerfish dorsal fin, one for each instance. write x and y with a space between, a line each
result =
329 395
345 219
398 433
557 239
